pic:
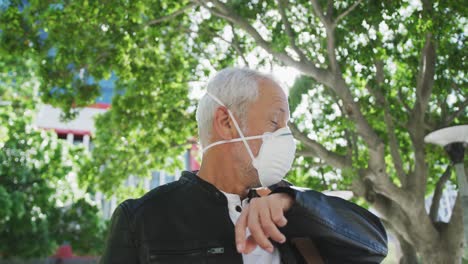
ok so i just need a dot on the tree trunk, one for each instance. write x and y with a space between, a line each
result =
443 250
409 255
438 256
449 247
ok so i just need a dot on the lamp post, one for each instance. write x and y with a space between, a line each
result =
454 140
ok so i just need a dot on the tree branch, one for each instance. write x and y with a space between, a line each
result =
457 88
350 136
424 86
426 74
289 31
328 24
354 138
332 52
220 9
345 13
383 186
394 147
235 44
170 16
317 150
363 128
317 9
329 13
438 191
393 140
402 101
350 145
461 108
307 153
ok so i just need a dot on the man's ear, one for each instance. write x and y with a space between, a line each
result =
222 123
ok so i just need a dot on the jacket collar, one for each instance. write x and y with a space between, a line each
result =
192 177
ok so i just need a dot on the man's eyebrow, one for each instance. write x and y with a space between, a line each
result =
278 111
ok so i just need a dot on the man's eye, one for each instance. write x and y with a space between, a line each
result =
274 123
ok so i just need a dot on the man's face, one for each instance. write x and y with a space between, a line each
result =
267 114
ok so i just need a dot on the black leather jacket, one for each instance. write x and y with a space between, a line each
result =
187 221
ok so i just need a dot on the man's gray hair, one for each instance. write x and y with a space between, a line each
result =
236 88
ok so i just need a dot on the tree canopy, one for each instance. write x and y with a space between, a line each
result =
377 76
39 205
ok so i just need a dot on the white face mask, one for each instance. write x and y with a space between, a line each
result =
275 156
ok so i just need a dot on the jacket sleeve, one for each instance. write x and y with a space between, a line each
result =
120 245
342 231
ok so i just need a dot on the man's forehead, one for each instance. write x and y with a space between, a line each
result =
272 91
272 94
269 85
280 103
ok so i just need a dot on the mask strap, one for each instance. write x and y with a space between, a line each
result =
230 141
235 124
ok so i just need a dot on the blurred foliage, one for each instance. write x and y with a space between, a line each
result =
81 225
158 52
39 207
156 55
73 43
393 33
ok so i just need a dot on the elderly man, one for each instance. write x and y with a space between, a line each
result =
215 215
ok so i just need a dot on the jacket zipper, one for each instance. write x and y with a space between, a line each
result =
191 252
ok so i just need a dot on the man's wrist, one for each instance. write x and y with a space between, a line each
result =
286 190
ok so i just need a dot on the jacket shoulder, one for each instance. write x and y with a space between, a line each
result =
166 191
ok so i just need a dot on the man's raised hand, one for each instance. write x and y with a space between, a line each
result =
262 217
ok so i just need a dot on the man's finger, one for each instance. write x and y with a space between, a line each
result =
277 215
240 229
250 245
269 227
256 229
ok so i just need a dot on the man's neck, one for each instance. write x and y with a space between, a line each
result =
222 173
